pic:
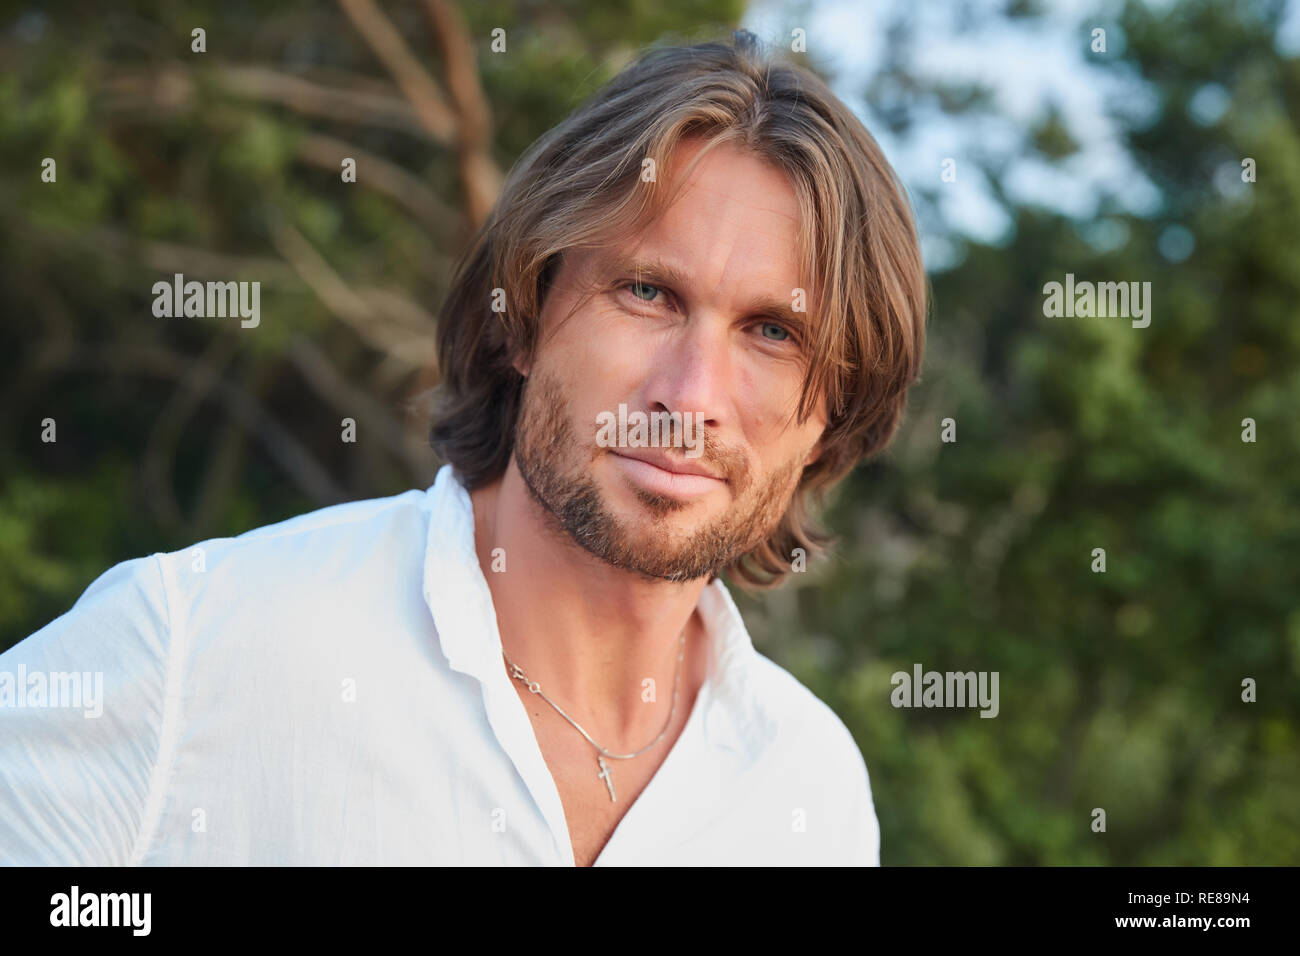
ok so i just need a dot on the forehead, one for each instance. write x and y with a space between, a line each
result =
732 225
731 204
726 176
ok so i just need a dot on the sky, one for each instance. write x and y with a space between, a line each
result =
1029 64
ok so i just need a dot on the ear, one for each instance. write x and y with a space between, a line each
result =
815 454
520 362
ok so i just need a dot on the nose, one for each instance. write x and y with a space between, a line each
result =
692 372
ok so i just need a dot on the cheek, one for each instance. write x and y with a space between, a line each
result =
775 437
768 400
600 352
595 371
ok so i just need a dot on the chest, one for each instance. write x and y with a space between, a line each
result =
584 785
581 781
584 789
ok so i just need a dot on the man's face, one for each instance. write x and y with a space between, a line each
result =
700 335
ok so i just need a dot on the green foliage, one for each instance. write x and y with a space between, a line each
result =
1119 690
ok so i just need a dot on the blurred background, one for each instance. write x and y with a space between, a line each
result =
1029 153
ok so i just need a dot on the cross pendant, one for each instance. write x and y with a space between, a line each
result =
604 775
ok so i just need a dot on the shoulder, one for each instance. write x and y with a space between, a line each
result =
340 521
334 543
300 589
803 723
81 715
155 643
139 601
818 766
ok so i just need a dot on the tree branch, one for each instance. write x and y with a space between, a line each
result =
337 296
379 174
320 373
280 443
172 88
158 461
480 177
420 89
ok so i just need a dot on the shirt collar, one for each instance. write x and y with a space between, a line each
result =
461 604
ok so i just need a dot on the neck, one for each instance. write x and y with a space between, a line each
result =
588 633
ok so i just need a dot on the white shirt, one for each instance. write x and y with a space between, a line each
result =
330 690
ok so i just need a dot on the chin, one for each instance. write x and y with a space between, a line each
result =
637 506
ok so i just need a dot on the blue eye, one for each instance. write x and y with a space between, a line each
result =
635 286
782 334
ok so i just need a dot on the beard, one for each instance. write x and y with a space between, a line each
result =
554 466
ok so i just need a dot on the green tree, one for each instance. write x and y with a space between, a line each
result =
1120 690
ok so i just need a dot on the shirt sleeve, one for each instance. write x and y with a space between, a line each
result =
864 828
858 839
81 716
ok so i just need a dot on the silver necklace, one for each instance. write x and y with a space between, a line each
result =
602 753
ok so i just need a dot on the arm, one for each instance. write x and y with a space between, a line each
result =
864 828
78 753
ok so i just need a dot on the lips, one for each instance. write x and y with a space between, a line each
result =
677 466
658 474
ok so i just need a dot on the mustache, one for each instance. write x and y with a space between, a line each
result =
731 463
727 461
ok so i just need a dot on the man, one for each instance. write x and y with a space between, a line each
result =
533 661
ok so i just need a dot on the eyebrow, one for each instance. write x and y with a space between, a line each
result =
654 270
